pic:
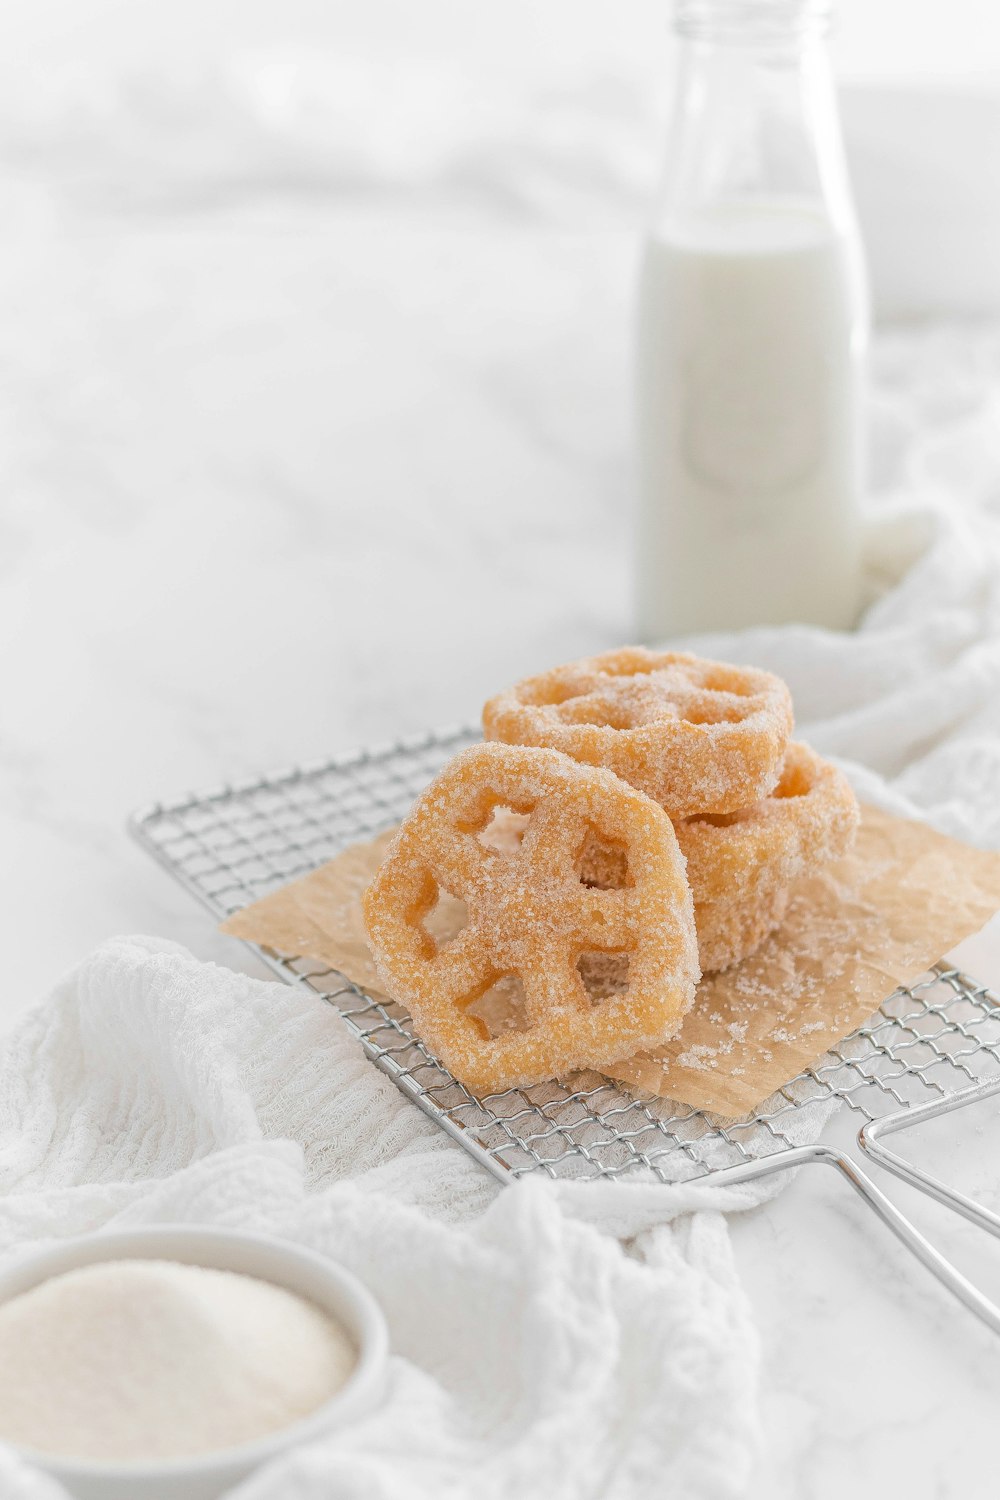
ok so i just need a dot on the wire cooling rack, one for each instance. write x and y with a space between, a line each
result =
232 846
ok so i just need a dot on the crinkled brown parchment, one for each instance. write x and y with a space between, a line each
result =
876 919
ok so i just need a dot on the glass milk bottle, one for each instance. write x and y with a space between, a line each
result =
752 330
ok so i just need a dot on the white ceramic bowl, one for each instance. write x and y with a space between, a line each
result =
211 1474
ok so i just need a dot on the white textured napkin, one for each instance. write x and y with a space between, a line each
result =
574 1341
531 1350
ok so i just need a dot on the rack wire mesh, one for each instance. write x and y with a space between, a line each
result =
232 846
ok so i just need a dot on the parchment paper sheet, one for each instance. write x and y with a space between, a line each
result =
877 919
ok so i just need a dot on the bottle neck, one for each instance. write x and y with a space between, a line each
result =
755 111
753 23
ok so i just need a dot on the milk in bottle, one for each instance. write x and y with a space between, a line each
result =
752 322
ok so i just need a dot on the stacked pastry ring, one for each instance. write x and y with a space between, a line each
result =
711 744
741 865
697 736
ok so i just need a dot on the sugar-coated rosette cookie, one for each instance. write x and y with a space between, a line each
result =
594 975
697 736
740 865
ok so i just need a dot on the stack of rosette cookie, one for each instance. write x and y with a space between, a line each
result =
634 819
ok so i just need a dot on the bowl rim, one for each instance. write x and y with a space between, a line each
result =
154 1242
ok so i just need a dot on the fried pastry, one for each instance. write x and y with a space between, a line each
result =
740 865
533 927
697 736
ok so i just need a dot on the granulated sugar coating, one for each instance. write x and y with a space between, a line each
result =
532 919
697 736
809 819
741 866
135 1360
729 931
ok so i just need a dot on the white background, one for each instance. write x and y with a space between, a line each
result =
876 38
289 464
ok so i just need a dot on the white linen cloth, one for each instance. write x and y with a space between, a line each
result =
532 1353
579 1342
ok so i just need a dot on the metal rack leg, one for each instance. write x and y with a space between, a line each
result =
939 1267
870 1141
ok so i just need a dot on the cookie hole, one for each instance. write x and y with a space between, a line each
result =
603 975
794 783
505 830
603 864
715 711
631 665
724 680
501 1007
719 820
549 694
605 715
448 916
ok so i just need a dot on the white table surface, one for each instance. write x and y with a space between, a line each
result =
277 483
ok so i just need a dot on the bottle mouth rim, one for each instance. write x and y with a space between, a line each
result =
753 22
